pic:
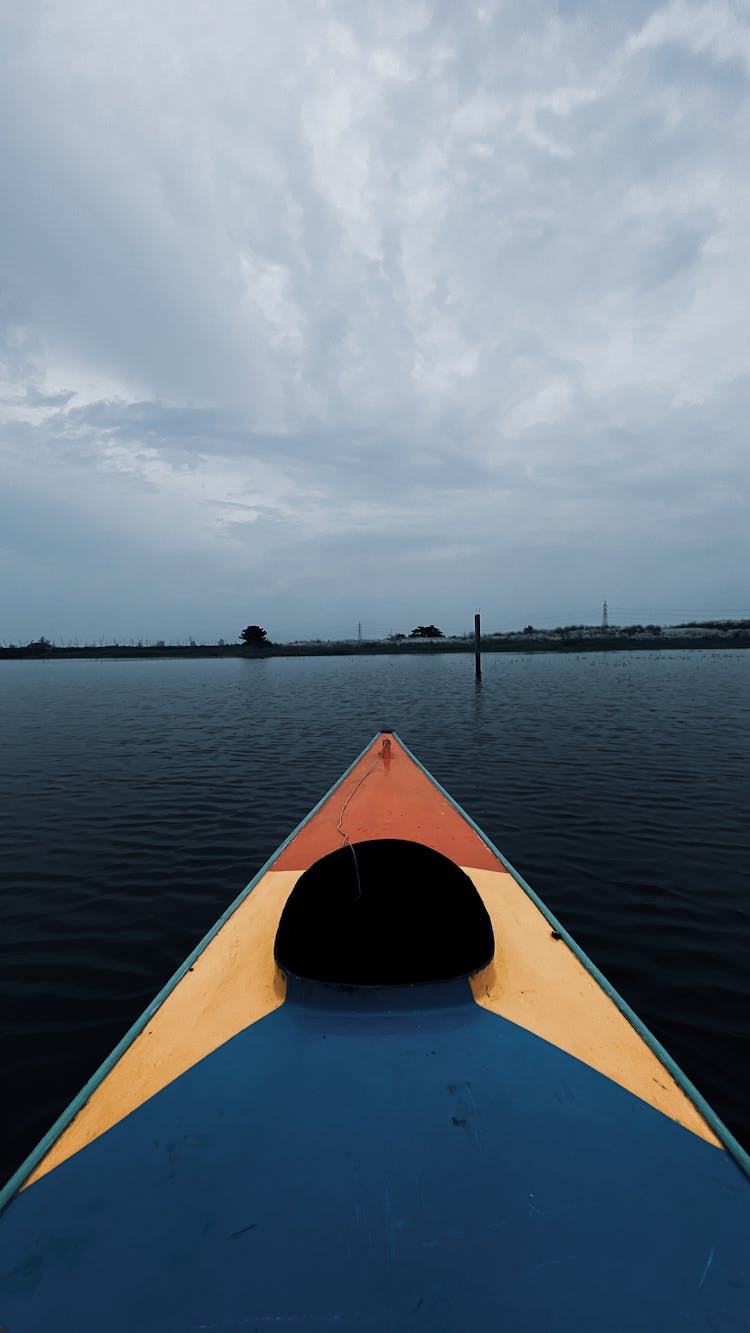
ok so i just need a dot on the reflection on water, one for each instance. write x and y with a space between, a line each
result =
138 798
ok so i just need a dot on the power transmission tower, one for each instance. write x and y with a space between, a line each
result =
605 617
359 631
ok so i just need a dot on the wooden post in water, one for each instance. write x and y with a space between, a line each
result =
477 647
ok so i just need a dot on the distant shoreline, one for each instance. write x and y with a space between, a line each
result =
379 648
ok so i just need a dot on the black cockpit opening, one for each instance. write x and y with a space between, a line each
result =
383 912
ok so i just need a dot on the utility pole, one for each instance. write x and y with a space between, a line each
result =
605 617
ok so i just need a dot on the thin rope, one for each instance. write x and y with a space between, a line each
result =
340 830
353 793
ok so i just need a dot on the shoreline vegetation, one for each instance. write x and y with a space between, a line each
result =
567 639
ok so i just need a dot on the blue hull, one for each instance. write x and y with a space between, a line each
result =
365 1157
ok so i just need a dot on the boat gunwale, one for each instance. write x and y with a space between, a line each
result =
725 1136
36 1156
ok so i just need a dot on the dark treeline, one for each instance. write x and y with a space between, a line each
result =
564 638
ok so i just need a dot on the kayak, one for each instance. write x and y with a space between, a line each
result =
386 1092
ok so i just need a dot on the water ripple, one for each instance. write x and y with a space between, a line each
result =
139 797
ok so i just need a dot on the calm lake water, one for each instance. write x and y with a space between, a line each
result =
138 798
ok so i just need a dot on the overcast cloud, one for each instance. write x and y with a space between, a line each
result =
319 312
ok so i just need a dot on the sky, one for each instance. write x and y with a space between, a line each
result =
316 313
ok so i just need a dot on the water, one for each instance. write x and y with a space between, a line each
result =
138 798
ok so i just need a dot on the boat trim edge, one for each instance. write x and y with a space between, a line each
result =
37 1155
725 1136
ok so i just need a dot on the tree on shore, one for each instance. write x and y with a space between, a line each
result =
427 632
254 636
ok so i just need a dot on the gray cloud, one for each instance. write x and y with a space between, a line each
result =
333 308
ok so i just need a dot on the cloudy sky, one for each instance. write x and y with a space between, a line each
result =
327 311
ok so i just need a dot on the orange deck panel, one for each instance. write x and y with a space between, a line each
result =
401 803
